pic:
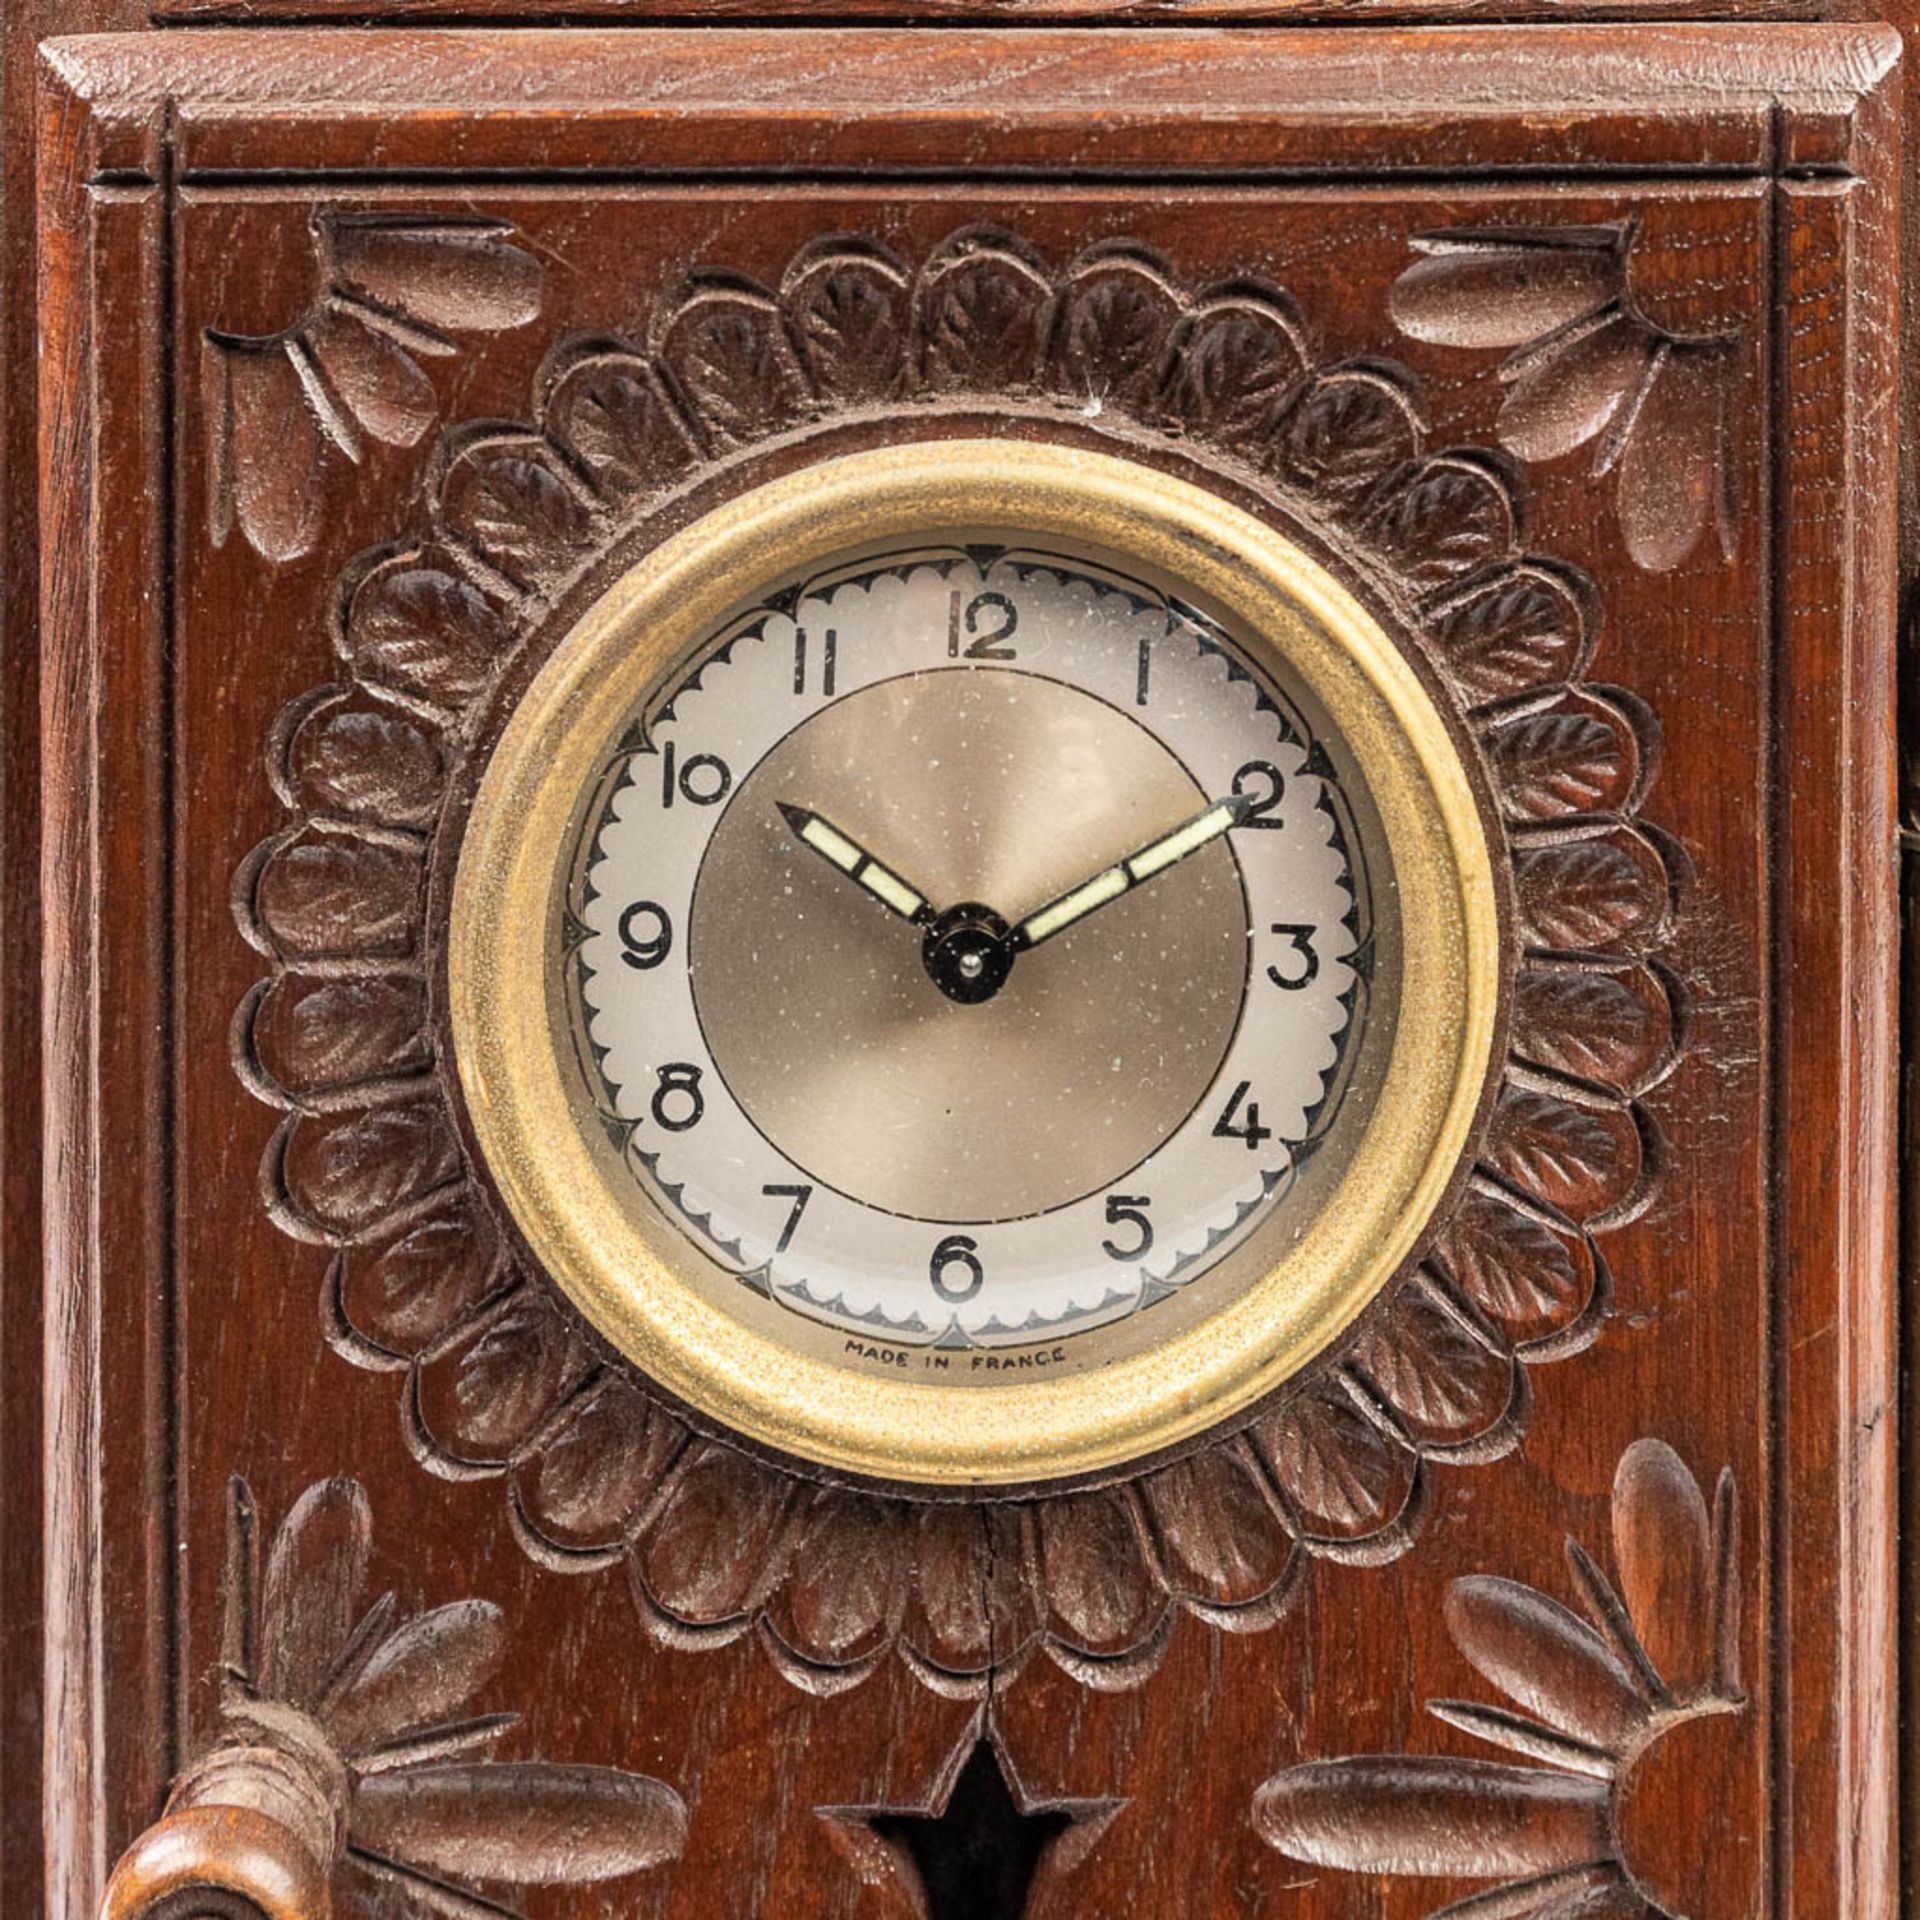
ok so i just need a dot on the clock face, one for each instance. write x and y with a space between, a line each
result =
971 946
971 962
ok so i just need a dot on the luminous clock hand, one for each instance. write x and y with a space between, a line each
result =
1109 884
886 886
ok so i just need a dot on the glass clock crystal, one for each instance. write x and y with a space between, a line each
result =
973 962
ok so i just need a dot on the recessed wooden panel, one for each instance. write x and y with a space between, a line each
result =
1644 298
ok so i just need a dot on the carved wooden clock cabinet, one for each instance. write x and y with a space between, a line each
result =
951 959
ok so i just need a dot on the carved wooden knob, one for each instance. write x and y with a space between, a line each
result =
217 1863
252 1831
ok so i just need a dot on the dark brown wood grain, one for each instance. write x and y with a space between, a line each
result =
1726 192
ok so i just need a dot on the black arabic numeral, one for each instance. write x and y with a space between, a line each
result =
1249 1130
1247 784
799 1196
679 1077
645 950
1301 949
1129 1210
704 778
982 646
956 1250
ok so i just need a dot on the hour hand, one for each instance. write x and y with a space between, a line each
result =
843 851
1139 866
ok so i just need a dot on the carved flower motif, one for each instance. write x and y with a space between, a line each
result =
500 1378
394 290
1634 1709
1588 367
354 1733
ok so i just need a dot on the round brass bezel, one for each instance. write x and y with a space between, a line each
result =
527 1118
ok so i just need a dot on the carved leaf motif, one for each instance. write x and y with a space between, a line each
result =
1104 1594
727 354
533 1823
357 755
1612 1025
1549 1663
1531 1279
1236 360
1449 518
424 1672
1673 471
465 276
846 1581
971 1612
1572 387
983 308
403 1293
313 1036
848 308
710 1550
322 895
609 412
510 503
1345 1476
1345 436
1576 757
1582 1160
486 1392
1116 316
367 380
265 448
1662 1545
1610 890
422 629
1498 288
1447 1385
1520 631
1224 1543
948 1618
1466 1817
347 1172
586 1485
316 1571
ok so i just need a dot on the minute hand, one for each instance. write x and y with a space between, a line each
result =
1124 875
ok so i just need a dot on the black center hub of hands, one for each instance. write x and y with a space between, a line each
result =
968 952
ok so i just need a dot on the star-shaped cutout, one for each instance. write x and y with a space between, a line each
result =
976 1849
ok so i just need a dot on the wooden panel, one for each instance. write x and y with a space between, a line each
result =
1724 188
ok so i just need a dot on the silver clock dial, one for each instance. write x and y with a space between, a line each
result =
971 948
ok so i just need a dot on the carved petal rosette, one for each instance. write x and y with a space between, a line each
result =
394 290
348 1749
1625 1720
500 1379
1601 356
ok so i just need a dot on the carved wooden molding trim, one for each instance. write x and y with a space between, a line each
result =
1614 345
498 1375
394 290
1627 1718
346 1747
